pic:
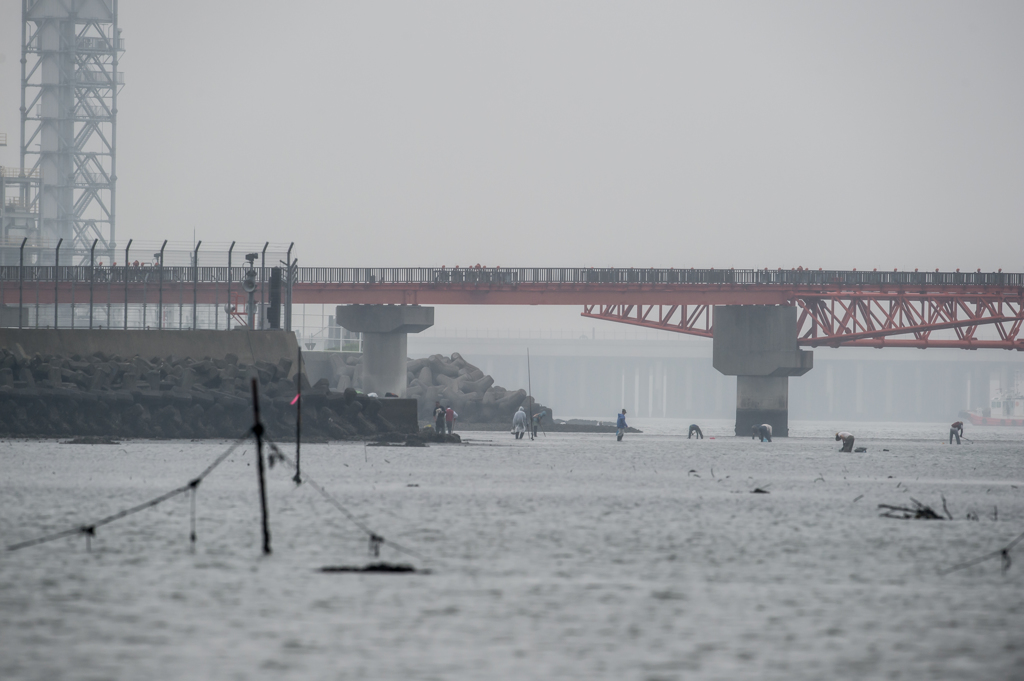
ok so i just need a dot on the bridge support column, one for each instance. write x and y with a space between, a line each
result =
385 330
757 344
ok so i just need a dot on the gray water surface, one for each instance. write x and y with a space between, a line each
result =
568 557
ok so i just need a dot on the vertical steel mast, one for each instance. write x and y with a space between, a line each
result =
70 82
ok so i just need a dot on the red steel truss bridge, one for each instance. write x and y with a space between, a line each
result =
968 310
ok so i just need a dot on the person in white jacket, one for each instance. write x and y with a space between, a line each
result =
847 440
519 423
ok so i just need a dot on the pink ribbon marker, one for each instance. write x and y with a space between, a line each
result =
295 400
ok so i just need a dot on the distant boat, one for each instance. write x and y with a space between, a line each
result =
1007 409
979 420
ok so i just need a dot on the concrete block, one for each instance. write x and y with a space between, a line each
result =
19 352
401 413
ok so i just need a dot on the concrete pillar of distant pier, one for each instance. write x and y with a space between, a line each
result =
385 330
757 344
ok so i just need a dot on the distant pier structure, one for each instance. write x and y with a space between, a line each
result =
65 187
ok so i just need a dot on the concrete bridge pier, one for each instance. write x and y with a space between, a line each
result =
385 330
757 344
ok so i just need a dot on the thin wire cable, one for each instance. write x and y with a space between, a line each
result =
89 529
1004 553
375 539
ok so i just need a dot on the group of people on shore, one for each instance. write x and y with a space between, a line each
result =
444 419
520 426
521 423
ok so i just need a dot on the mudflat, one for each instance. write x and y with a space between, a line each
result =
571 556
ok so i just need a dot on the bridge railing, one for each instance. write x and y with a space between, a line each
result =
577 275
504 276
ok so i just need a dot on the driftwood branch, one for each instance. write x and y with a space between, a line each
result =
919 511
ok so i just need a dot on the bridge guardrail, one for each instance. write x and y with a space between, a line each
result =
512 276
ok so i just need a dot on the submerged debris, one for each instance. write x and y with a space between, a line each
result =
758 490
861 450
373 567
918 512
87 440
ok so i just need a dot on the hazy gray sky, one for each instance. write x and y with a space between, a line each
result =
839 134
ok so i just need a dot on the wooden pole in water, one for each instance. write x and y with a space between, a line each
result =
298 420
257 430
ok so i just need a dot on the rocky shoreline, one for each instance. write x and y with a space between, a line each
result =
453 382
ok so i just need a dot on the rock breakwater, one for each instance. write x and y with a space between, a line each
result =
173 397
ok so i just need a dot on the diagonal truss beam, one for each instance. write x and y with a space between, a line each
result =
695 320
860 319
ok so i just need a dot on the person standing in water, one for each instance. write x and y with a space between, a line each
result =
620 425
956 430
694 430
847 439
519 422
763 431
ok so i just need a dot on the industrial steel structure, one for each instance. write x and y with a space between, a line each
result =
66 185
836 308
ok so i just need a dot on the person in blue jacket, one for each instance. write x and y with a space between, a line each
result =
621 426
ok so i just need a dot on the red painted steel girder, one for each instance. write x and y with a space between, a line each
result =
860 319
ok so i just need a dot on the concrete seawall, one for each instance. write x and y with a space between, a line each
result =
248 346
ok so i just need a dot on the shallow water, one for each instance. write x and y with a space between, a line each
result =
571 556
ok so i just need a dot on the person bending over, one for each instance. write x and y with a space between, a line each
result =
694 430
956 430
537 418
763 431
847 440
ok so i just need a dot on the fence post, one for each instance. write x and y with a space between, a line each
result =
263 289
227 308
160 302
126 248
92 277
195 283
21 280
288 294
56 278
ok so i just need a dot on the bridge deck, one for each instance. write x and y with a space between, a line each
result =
500 286
836 307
